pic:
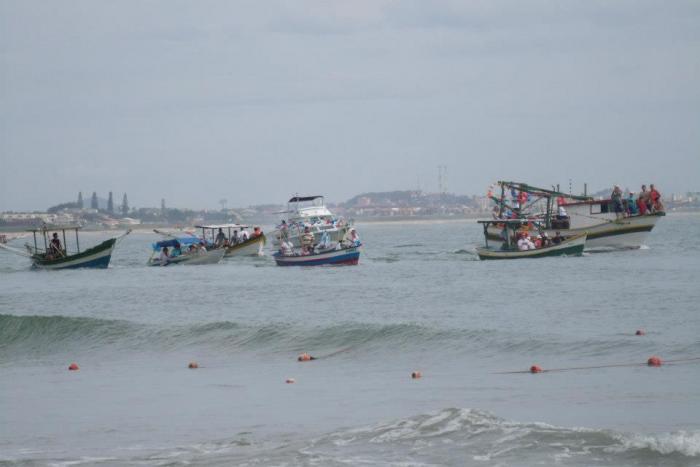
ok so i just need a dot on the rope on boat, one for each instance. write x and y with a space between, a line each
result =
15 251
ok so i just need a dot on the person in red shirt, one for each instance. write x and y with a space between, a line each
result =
655 197
641 204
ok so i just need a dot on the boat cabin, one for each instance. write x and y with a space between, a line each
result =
42 238
209 232
308 209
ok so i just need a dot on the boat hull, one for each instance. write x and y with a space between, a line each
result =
210 257
251 247
571 247
630 232
346 256
97 257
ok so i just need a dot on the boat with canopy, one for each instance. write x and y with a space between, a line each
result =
187 250
569 214
234 245
48 252
511 230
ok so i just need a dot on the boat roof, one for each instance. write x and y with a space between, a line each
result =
297 199
47 227
542 191
222 226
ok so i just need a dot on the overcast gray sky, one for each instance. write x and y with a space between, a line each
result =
253 101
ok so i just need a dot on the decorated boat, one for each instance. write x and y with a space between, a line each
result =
234 239
56 254
183 250
513 232
571 215
309 211
336 256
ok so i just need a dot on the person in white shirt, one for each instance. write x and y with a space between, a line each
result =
525 243
164 256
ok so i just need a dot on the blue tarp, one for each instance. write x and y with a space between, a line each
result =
183 241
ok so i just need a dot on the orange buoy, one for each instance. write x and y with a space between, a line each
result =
73 367
416 375
654 361
290 381
640 332
535 369
193 365
304 357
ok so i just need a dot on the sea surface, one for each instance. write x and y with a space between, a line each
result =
418 301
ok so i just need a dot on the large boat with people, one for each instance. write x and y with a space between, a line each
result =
325 252
615 222
311 212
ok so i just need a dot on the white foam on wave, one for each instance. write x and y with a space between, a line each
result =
686 443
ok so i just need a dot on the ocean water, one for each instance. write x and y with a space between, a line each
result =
418 301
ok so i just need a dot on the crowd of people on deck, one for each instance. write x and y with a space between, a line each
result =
527 241
308 244
647 202
221 241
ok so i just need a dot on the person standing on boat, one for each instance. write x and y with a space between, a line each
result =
616 198
220 239
655 198
55 248
307 241
234 238
632 208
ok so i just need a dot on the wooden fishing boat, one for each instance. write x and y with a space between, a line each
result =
59 257
234 244
195 257
507 248
572 215
344 255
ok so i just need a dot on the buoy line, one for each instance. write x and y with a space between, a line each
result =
652 361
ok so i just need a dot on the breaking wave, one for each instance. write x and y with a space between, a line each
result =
451 436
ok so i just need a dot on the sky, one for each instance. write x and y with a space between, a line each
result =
254 101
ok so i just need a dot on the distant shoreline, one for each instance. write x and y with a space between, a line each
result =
148 228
